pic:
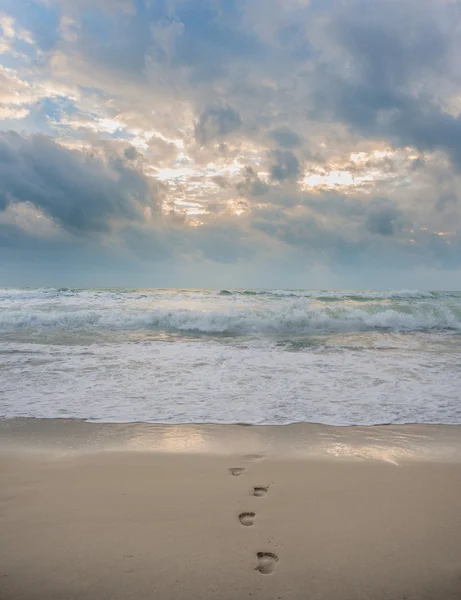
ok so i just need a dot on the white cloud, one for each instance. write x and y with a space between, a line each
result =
11 32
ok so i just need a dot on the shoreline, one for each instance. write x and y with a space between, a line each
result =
389 443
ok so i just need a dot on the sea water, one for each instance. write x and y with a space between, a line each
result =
231 356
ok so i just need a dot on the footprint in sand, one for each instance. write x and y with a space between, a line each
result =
266 562
260 491
236 471
253 457
247 518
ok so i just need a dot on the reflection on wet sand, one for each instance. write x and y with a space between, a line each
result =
391 454
391 444
173 438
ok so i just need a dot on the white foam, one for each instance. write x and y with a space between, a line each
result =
208 381
338 357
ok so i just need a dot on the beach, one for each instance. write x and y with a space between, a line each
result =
107 511
230 300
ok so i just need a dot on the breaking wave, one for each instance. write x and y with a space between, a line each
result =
288 316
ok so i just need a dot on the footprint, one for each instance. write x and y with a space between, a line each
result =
253 456
247 518
260 491
266 562
236 471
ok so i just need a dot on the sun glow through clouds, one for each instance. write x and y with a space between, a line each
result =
291 133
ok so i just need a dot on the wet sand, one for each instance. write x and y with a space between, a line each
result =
116 512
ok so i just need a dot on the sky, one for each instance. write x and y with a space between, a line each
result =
231 143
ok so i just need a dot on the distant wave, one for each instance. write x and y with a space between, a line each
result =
293 317
328 295
44 294
18 294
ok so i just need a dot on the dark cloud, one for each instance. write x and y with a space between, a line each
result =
285 137
131 153
79 191
382 221
220 181
286 166
446 201
251 185
391 45
386 83
216 122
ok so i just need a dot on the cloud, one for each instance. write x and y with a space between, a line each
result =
286 166
232 137
215 123
11 34
382 221
251 185
394 66
285 137
78 191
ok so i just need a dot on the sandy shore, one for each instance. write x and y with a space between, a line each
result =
302 512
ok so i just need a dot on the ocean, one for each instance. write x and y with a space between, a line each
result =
231 356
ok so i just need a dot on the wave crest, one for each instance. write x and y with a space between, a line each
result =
293 317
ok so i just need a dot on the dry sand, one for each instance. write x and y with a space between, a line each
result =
366 517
